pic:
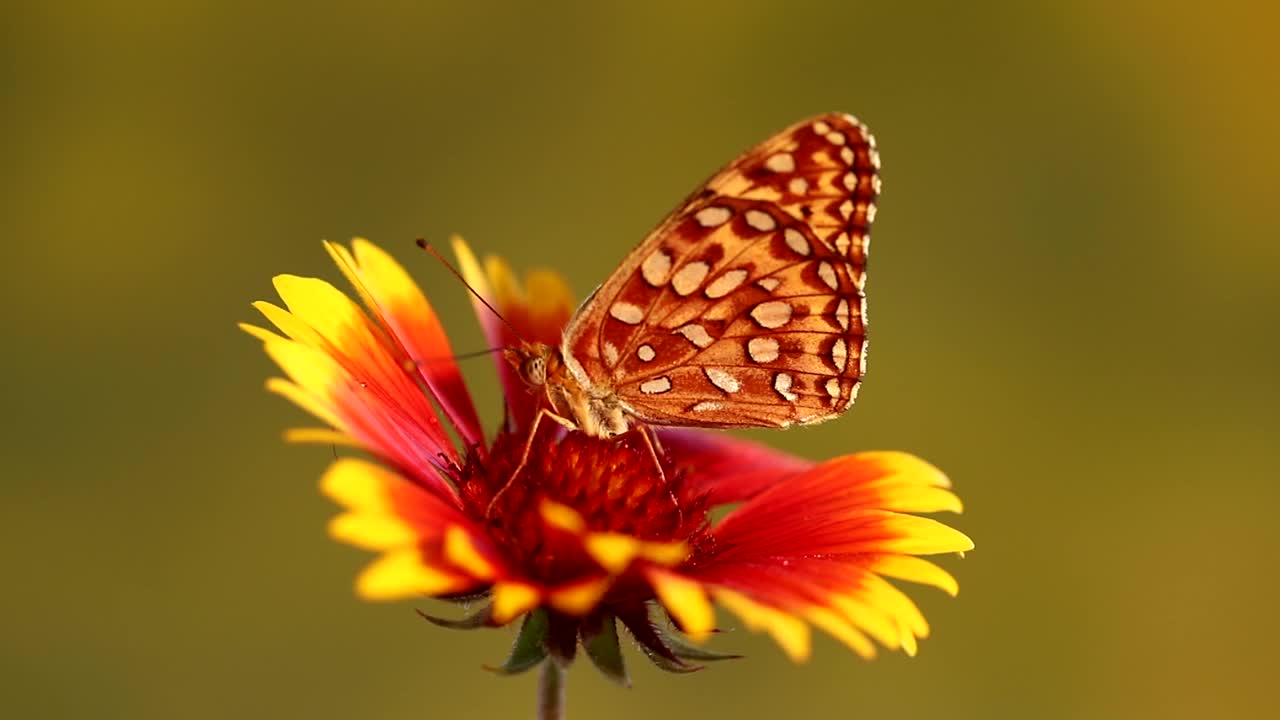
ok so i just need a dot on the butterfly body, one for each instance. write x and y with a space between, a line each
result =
744 308
593 410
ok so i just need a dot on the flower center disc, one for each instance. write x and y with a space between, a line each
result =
615 485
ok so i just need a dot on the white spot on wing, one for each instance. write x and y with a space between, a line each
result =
688 278
656 386
796 241
850 181
821 127
840 354
761 220
713 216
833 388
656 267
828 275
696 334
769 284
782 162
706 406
798 186
782 383
645 353
846 154
610 354
835 137
722 379
726 283
772 314
626 312
842 314
762 349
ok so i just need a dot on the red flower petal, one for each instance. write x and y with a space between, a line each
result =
394 298
729 469
538 312
815 546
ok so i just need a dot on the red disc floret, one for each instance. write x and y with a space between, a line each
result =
616 485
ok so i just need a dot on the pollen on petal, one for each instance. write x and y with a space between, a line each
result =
686 600
579 598
512 599
402 574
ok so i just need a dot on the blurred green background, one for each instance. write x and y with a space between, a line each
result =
1074 295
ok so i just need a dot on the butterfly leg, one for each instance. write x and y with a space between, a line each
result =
654 446
528 446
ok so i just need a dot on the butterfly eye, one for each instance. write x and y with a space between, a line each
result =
535 371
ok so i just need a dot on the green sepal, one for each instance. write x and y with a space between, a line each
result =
600 641
686 650
671 665
478 619
530 646
467 598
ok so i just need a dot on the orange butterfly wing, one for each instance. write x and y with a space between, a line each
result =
745 307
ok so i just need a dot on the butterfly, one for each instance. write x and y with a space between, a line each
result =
745 307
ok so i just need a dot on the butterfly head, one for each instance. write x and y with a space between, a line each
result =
535 362
543 370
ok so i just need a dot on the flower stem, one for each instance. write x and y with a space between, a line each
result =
551 691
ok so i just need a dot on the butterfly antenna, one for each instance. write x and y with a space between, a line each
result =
417 363
422 243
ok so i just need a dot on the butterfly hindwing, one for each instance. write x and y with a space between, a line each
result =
745 307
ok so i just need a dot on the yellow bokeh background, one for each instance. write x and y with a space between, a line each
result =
1075 301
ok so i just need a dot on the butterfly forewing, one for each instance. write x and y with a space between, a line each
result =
745 307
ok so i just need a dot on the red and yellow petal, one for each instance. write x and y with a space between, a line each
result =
786 628
402 574
774 572
429 547
612 552
399 305
536 311
346 370
685 599
844 503
513 598
726 468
